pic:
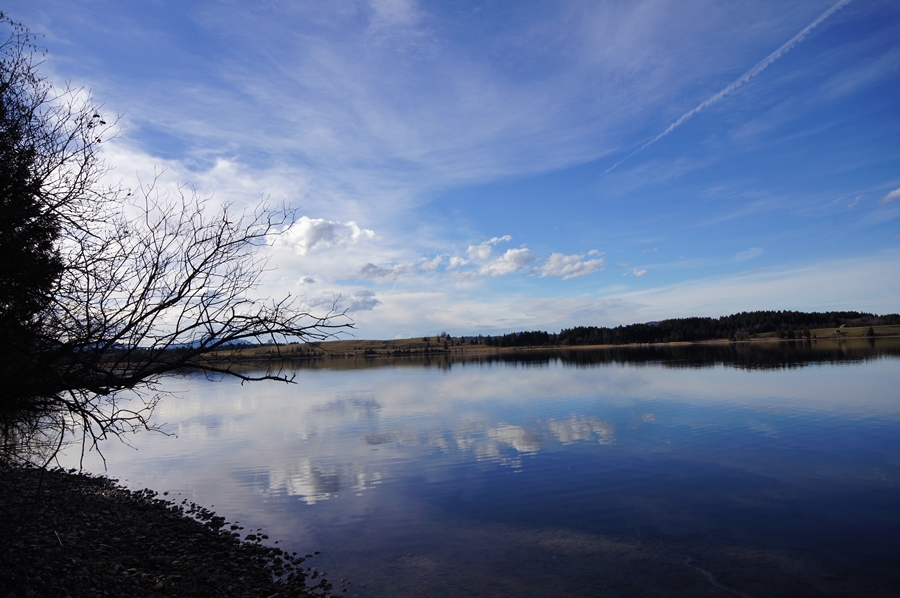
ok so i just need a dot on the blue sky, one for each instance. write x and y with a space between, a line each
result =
482 167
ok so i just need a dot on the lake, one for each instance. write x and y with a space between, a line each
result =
714 470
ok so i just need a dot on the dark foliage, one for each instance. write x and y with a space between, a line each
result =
786 324
29 260
105 290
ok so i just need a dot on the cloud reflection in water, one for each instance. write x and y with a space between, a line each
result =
315 479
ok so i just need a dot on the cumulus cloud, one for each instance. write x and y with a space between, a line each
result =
360 301
363 300
456 262
571 266
891 196
311 233
395 271
426 265
511 261
482 253
639 272
307 280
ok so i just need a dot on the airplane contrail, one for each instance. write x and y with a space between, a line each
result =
760 67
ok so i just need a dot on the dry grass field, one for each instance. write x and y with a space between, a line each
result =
439 345
845 332
357 347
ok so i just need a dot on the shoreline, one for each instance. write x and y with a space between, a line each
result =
375 349
79 535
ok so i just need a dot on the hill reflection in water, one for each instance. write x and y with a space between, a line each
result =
744 355
706 470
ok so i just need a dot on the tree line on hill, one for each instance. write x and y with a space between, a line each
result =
785 324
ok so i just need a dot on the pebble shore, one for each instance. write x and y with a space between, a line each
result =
64 534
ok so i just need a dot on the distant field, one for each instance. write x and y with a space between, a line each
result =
433 344
855 331
363 347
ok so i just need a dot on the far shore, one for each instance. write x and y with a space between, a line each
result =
456 346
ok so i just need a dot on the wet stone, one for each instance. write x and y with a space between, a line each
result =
79 535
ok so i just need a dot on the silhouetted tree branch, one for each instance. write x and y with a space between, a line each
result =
132 286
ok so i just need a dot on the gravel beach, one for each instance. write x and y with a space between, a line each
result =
67 534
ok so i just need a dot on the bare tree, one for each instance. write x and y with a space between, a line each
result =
148 283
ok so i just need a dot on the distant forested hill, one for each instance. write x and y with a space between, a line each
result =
785 324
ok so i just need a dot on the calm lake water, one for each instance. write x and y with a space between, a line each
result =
694 471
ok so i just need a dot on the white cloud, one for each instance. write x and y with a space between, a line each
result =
324 104
779 288
363 300
570 266
749 254
481 253
360 301
740 81
395 12
458 312
394 271
456 262
426 265
311 233
890 196
346 107
327 93
511 261
370 270
415 313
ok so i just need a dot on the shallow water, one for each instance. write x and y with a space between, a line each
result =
738 471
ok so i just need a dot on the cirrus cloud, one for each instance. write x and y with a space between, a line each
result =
749 254
891 196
